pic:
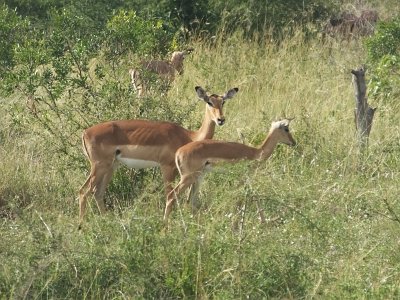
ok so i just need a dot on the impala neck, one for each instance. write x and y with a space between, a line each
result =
207 128
268 146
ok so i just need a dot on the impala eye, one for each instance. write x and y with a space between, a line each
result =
210 104
286 129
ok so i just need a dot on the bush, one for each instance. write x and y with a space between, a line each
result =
383 51
64 82
128 32
12 29
257 16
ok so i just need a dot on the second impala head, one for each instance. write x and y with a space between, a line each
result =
215 103
280 131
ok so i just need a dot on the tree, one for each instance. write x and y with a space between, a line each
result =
12 32
383 50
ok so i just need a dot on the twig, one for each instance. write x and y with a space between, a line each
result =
47 226
394 217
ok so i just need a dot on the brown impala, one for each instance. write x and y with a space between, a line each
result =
142 144
194 158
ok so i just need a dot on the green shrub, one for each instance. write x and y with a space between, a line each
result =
128 32
383 51
276 16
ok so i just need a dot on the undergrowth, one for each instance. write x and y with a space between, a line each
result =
332 215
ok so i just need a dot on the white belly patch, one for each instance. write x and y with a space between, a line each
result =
137 163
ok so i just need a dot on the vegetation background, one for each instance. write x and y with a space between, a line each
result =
333 213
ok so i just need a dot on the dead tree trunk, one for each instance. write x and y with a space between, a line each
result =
363 112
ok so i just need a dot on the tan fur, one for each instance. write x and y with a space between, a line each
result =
193 158
108 144
164 69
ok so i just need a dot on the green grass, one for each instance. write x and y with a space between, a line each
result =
331 228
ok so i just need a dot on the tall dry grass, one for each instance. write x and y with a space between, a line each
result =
331 214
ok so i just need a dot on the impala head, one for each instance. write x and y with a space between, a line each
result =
280 130
177 59
215 103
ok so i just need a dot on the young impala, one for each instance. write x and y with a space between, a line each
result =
142 144
164 69
194 158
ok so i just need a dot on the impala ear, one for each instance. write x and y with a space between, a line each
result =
290 119
229 94
201 93
284 119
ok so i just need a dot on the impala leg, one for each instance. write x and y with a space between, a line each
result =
83 193
101 189
194 189
169 174
96 183
137 82
194 194
174 194
139 91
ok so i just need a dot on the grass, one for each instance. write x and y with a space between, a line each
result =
332 215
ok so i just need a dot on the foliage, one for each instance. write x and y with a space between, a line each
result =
385 41
12 29
316 197
38 10
257 16
384 56
188 17
65 83
127 32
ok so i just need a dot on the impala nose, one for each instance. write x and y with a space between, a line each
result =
221 121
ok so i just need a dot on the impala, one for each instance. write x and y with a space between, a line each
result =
194 158
142 144
164 69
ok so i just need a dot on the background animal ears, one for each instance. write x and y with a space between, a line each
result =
282 122
229 94
284 119
201 93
